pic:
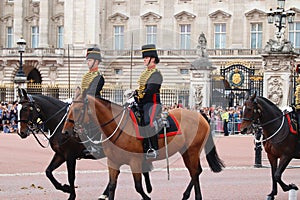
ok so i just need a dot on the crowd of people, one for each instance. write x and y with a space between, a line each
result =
9 117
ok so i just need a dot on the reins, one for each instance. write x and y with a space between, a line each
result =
35 127
102 125
277 131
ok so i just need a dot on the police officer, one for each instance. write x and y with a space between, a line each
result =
148 95
92 84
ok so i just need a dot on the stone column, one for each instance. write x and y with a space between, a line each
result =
44 24
278 60
69 16
18 20
200 85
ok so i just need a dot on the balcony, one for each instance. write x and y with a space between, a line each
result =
58 52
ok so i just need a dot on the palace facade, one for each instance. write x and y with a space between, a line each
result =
58 32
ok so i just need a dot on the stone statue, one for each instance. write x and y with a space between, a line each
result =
201 47
284 46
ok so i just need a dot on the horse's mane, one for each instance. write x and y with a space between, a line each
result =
268 102
47 99
107 102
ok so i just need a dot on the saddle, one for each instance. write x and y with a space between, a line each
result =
171 123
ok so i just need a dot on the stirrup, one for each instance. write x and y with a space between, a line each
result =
151 153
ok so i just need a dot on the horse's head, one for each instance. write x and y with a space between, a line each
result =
250 113
28 113
79 116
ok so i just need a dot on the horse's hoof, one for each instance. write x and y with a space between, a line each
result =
270 198
103 197
72 197
292 186
66 188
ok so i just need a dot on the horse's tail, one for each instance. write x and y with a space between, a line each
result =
212 157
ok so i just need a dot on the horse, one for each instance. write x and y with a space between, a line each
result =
52 113
278 140
122 147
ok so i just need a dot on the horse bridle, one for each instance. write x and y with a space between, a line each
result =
256 113
256 122
79 124
33 125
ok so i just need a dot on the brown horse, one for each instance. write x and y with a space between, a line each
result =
278 141
122 147
67 148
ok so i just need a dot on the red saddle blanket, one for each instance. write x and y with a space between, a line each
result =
173 129
291 124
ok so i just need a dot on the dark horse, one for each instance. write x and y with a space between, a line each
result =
122 147
278 141
67 149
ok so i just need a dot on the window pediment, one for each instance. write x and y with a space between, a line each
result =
184 16
119 17
34 19
58 18
150 17
6 18
255 13
219 14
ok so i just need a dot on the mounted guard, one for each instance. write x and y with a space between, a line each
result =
148 100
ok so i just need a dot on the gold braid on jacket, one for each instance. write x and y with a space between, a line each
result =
87 79
297 94
143 80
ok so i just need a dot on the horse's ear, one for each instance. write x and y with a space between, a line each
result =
252 98
20 94
24 93
247 96
84 93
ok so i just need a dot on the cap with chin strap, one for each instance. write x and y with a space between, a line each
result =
93 53
149 50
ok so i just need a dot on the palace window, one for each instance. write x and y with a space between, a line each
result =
185 36
35 36
256 35
118 71
9 40
60 37
220 36
184 71
151 32
294 34
118 37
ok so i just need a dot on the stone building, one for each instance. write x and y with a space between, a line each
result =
59 31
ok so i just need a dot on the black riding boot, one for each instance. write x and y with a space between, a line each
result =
151 144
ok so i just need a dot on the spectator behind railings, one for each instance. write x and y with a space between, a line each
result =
179 105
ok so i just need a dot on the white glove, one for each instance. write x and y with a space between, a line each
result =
130 100
69 101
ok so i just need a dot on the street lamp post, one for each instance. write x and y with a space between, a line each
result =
20 75
279 16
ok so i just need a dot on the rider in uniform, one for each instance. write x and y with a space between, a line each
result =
92 84
148 99
92 81
297 101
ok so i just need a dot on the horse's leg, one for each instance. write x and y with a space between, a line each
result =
105 194
273 162
192 163
113 177
187 192
148 182
56 161
71 165
138 185
283 163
